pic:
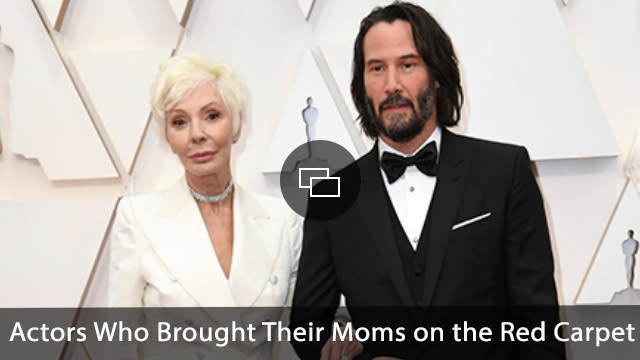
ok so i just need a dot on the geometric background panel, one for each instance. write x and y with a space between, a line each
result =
118 25
48 249
510 42
607 274
118 85
179 8
340 57
6 67
324 120
156 167
306 6
580 195
22 179
611 58
47 118
51 10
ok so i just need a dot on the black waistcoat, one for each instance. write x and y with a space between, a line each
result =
413 262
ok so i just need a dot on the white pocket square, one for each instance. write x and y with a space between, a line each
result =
470 221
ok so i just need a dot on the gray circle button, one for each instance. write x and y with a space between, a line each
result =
320 180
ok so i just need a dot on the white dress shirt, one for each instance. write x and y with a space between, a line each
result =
411 193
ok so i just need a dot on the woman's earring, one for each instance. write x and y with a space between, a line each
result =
235 140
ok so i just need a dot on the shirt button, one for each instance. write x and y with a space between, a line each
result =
414 240
411 188
273 279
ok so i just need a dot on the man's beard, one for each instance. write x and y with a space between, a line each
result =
399 130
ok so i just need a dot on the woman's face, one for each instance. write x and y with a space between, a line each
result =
200 131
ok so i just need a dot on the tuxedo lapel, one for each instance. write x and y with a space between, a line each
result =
378 221
179 236
444 206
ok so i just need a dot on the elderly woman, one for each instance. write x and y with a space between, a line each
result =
206 242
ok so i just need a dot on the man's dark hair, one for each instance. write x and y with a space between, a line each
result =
435 48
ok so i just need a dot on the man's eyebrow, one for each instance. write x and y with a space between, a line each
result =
373 61
410 56
403 57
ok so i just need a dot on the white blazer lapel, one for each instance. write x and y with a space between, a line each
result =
178 235
256 247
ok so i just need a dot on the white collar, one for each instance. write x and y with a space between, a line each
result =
436 136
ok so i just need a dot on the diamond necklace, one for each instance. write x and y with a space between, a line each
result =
212 198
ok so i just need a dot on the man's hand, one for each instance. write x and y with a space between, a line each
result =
340 350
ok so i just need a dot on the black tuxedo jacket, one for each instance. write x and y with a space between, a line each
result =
500 261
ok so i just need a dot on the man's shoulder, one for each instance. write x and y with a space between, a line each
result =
475 148
464 146
484 145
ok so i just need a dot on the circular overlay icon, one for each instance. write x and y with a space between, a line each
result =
320 180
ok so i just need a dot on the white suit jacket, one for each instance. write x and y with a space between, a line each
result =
161 255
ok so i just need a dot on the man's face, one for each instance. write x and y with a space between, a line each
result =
399 86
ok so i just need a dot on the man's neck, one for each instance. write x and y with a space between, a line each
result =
409 147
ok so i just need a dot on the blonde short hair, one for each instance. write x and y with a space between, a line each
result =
179 74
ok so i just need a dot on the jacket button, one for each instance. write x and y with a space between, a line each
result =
419 270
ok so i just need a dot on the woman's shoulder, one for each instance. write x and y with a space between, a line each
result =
168 198
142 201
277 212
265 205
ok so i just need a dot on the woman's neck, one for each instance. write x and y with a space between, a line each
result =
209 185
214 184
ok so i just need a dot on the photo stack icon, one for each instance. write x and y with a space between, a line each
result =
319 183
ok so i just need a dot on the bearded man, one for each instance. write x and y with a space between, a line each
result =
442 223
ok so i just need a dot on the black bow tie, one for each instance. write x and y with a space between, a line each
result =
425 160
